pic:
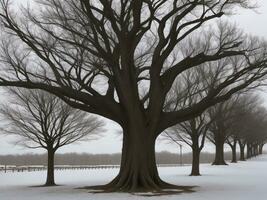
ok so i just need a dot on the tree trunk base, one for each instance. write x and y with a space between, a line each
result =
219 163
195 174
45 185
161 188
50 185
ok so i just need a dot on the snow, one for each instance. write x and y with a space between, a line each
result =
244 180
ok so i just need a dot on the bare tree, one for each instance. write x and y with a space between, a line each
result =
192 133
247 127
44 121
239 124
220 128
114 59
256 137
187 91
229 127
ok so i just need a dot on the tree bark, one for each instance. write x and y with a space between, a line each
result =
234 159
261 149
233 147
138 171
195 162
256 149
138 166
219 155
195 155
253 150
249 151
242 152
50 179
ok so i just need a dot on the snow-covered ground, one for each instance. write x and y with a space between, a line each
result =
242 181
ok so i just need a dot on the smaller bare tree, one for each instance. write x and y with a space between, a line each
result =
240 124
238 120
256 137
220 128
192 133
193 85
44 121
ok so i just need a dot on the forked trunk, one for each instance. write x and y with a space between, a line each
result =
138 170
219 155
50 180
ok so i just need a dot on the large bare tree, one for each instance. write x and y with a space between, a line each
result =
120 58
41 120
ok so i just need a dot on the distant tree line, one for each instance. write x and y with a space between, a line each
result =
101 159
238 122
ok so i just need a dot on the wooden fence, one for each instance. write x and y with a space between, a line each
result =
30 168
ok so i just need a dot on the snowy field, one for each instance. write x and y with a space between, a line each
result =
242 181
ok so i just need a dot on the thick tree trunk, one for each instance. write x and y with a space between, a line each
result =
195 155
261 149
138 171
138 166
253 150
256 149
219 155
233 148
249 151
50 180
195 162
242 153
234 159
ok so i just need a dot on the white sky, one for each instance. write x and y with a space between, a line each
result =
253 22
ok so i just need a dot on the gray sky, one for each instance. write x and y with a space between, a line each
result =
253 22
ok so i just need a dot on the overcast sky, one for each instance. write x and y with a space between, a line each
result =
253 22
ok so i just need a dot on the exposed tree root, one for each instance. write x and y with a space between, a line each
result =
162 188
46 185
195 174
49 185
219 163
